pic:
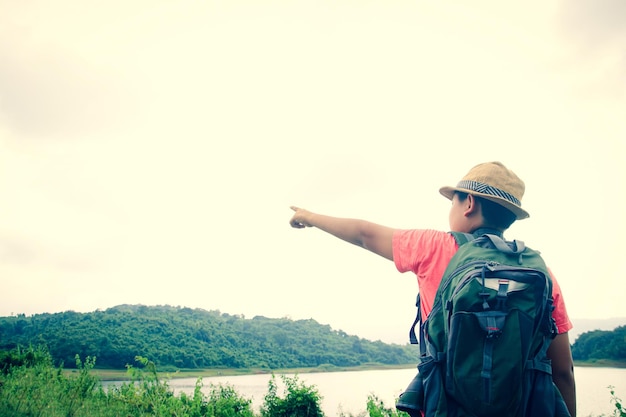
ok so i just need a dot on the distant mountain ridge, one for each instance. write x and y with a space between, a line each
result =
180 337
586 325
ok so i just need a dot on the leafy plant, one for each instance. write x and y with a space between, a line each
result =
224 401
617 402
376 408
299 400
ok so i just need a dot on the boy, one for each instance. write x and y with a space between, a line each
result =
486 200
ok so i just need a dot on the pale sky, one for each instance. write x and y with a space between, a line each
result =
150 150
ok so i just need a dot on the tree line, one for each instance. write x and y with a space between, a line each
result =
600 345
185 338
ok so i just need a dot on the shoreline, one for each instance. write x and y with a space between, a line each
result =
122 374
600 363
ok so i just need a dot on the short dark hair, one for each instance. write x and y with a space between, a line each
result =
494 214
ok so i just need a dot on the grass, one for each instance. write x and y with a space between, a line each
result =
601 363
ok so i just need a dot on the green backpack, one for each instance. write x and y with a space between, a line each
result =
483 347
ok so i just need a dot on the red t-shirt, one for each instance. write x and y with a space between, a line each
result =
427 253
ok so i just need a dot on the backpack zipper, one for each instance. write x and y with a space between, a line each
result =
470 265
490 265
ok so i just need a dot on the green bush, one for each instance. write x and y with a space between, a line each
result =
35 387
30 385
299 400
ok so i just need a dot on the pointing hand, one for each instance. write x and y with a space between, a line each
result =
298 220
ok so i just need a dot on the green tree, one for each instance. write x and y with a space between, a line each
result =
177 337
601 344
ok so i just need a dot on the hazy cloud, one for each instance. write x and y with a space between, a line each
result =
595 25
594 35
21 253
50 93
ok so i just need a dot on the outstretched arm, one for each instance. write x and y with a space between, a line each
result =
560 354
370 236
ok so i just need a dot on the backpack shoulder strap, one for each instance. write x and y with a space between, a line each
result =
462 238
513 248
418 319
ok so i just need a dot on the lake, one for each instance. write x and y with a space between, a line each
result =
348 391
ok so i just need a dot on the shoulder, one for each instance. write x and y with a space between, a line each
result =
422 237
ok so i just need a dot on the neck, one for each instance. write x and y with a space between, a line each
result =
484 230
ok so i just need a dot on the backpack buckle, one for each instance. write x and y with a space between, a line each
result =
493 332
492 323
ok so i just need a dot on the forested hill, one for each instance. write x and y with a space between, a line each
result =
599 345
194 338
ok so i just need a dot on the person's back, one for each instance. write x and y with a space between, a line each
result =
489 196
483 348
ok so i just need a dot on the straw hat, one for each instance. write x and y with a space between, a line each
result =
492 181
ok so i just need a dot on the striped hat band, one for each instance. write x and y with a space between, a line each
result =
481 187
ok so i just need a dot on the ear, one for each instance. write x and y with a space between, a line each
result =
472 206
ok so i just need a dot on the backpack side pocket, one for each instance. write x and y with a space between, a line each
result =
544 398
411 401
435 401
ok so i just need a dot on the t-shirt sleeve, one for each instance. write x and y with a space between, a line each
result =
426 253
420 250
563 322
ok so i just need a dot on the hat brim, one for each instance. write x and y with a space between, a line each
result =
520 213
